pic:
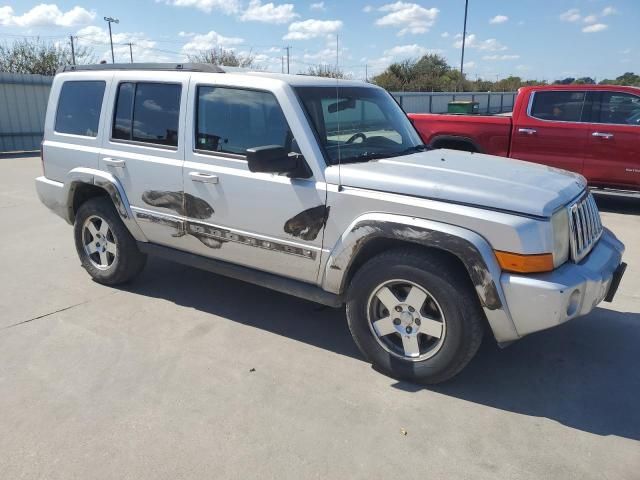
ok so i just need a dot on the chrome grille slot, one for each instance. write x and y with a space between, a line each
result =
585 226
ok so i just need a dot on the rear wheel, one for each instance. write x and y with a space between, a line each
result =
106 249
414 316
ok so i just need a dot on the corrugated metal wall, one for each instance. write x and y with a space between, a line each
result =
23 103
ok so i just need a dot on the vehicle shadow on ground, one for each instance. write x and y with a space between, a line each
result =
247 304
583 374
610 202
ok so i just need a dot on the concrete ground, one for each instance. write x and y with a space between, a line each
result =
184 374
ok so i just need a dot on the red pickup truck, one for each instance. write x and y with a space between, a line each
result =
590 129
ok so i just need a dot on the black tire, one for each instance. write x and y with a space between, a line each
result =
454 296
128 260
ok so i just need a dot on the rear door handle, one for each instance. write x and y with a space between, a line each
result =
602 135
528 131
203 177
112 162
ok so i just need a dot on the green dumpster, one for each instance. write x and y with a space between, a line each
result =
463 106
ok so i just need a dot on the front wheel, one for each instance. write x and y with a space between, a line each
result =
415 316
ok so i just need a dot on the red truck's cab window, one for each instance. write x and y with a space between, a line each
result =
558 106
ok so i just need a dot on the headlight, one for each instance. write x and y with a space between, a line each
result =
560 227
541 262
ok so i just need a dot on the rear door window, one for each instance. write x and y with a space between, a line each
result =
560 106
147 112
79 106
617 108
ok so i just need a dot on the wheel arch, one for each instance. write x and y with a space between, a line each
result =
85 183
373 233
451 141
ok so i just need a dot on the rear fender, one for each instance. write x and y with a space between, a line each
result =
109 184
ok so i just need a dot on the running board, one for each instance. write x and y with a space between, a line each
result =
274 282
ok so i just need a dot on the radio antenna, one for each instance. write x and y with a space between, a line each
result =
338 110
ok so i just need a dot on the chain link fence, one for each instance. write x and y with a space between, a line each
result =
436 102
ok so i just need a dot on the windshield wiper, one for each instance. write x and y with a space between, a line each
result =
365 157
414 149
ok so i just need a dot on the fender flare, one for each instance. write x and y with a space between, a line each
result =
456 138
109 184
474 252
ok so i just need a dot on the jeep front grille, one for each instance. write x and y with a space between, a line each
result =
585 226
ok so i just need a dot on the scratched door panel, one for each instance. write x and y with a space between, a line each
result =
265 221
148 158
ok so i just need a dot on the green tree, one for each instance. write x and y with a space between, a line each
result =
628 78
429 73
35 56
585 81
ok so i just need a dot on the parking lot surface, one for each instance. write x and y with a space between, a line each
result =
185 374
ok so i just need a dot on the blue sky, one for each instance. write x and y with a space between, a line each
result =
543 39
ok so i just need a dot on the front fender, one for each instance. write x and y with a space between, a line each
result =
473 250
112 186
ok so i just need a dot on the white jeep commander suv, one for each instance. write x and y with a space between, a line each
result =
321 188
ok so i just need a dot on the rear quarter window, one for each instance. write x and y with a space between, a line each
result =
79 106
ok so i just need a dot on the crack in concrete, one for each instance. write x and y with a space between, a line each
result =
44 315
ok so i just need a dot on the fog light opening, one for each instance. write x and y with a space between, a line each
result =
574 301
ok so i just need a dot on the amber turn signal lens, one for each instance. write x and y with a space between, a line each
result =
518 263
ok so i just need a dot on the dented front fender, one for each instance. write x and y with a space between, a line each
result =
474 252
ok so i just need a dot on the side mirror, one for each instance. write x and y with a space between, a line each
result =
275 159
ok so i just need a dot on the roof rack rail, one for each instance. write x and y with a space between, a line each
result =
183 67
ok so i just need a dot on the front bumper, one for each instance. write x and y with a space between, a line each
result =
541 301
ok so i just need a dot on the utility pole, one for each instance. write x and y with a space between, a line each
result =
288 56
111 20
73 52
131 51
337 52
282 61
366 72
464 37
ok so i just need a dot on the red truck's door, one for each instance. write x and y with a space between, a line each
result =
549 130
613 141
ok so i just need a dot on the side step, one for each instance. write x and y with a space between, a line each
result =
246 274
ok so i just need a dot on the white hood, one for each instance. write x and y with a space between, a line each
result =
468 178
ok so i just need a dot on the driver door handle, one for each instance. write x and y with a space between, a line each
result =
203 177
602 135
112 162
528 131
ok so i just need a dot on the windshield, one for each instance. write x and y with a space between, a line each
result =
356 124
